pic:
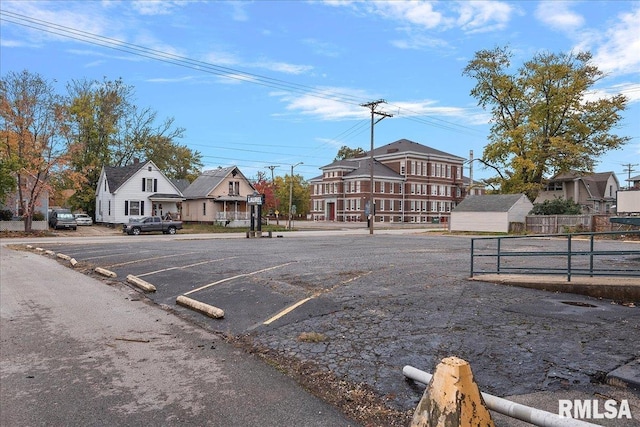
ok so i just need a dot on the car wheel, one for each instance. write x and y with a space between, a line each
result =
172 230
75 228
136 231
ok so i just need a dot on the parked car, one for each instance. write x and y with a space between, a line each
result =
62 218
83 219
151 223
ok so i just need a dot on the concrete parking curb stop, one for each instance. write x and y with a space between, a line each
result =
200 307
105 272
142 284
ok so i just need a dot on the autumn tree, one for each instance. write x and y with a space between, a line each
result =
543 121
106 127
301 194
347 153
32 119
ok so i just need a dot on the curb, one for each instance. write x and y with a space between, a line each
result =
200 307
142 284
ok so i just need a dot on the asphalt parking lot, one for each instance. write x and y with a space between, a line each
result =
365 306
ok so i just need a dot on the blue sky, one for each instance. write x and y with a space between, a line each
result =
276 83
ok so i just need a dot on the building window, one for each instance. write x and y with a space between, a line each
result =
134 208
109 207
204 208
234 188
402 168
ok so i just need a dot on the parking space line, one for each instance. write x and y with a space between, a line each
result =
149 259
236 277
185 266
299 303
288 310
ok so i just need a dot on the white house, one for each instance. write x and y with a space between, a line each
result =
218 196
133 191
490 213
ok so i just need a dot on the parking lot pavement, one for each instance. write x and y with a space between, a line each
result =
361 307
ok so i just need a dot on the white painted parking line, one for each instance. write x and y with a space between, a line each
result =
236 277
185 266
135 261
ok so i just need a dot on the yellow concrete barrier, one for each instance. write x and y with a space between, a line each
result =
452 398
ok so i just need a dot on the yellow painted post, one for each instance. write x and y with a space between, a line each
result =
452 399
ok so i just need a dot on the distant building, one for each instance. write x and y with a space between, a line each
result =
218 196
412 183
594 192
490 213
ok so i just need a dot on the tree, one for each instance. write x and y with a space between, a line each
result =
107 128
301 194
557 206
8 168
32 117
543 122
347 153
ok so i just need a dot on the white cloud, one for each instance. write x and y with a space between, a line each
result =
616 50
557 15
155 7
283 67
483 16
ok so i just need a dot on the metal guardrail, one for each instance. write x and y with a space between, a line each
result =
570 261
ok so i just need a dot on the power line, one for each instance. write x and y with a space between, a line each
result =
226 72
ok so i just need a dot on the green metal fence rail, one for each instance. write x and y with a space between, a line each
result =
584 254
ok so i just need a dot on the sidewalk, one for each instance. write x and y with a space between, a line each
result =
75 351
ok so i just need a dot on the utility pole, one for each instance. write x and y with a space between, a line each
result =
273 190
372 106
629 169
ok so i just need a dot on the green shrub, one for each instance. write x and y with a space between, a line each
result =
558 206
6 215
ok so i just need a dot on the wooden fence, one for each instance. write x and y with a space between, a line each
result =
553 224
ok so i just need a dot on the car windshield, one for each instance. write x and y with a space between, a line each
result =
65 216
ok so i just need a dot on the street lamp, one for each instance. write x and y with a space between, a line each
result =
291 191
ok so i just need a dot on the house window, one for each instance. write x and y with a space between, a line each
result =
149 185
109 207
234 188
402 168
134 208
204 208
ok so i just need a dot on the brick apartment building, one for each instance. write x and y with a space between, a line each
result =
412 183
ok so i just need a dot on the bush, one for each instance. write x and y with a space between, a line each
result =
6 215
38 216
558 206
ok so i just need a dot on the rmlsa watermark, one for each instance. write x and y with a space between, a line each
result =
593 409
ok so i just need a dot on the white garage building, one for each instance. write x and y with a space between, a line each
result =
490 213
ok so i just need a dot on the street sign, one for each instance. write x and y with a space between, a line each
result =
254 200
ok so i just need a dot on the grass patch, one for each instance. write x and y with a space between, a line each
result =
312 337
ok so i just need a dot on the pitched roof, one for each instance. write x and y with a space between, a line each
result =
379 170
400 146
489 203
118 175
210 179
596 183
180 184
406 146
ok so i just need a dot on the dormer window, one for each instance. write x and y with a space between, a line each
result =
149 168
